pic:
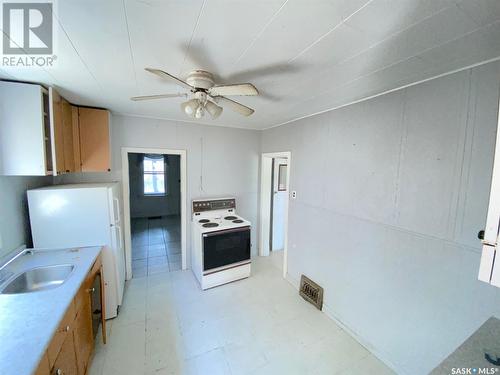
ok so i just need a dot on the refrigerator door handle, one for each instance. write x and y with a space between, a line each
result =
117 210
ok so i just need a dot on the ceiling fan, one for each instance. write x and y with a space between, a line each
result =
206 95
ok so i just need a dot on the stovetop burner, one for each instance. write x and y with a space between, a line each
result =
230 218
210 225
203 221
238 221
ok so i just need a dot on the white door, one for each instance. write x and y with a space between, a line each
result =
280 196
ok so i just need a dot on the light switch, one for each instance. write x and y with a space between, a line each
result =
294 194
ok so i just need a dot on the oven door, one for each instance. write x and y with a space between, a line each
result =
225 248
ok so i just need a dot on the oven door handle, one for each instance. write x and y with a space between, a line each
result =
241 229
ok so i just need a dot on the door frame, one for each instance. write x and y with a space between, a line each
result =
126 200
265 204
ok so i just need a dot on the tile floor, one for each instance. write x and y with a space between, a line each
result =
259 325
156 245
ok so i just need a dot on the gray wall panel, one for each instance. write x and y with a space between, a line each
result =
405 189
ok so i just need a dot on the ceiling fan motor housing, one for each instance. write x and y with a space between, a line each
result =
200 79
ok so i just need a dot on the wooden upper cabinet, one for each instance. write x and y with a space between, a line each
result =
75 128
25 130
68 139
94 140
41 133
56 116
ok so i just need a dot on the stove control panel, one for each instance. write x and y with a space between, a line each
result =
214 204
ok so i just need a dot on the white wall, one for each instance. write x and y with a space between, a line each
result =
14 219
161 205
221 161
391 193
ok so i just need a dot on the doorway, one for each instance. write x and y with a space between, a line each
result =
154 192
274 193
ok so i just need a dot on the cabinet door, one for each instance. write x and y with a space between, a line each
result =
66 360
94 139
75 126
67 123
56 115
24 141
84 339
63 331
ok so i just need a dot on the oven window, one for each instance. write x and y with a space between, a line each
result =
225 248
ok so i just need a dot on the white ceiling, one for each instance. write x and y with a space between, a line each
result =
305 56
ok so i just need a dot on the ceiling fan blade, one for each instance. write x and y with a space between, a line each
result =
236 89
235 106
165 75
162 96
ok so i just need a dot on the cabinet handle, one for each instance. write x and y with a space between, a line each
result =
91 290
65 329
59 372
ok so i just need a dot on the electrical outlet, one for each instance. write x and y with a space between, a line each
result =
294 194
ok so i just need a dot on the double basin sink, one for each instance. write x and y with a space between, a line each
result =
38 279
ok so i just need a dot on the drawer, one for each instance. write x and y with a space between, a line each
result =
60 335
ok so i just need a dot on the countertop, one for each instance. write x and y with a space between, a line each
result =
29 320
470 355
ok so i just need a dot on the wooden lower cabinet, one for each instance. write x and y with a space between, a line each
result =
70 350
65 363
60 335
83 337
43 366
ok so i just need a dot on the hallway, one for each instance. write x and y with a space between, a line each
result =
156 245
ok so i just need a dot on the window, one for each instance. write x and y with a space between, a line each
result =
154 175
282 177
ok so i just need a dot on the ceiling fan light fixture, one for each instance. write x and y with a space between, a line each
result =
199 112
213 109
190 107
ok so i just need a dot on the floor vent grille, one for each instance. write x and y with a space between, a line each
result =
311 292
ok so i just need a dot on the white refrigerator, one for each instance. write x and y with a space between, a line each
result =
64 216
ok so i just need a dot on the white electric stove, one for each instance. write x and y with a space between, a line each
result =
220 243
